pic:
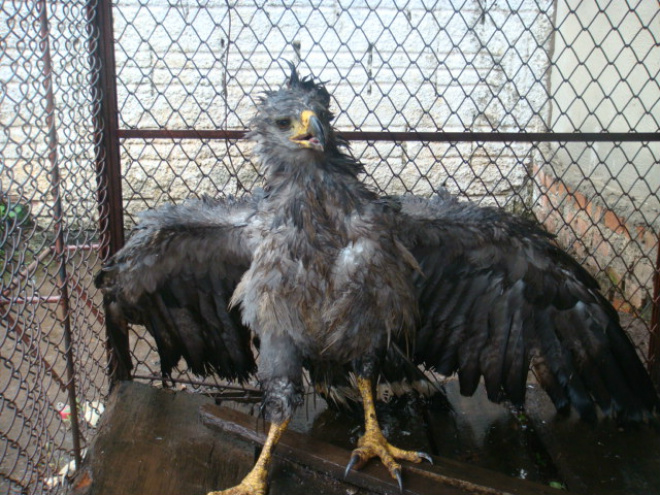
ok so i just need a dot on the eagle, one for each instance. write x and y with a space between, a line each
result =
320 276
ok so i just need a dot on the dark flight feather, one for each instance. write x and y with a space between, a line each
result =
176 276
498 296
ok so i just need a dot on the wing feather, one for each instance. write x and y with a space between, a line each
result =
176 276
497 298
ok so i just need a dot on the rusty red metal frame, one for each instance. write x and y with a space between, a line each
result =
449 137
108 166
654 344
60 244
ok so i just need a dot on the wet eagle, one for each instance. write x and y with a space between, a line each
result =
322 274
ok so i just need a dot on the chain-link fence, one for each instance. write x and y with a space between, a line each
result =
52 352
547 108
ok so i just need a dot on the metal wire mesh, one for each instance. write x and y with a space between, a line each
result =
188 74
52 353
464 66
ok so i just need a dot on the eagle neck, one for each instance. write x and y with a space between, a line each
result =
315 196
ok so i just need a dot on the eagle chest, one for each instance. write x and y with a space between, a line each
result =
312 283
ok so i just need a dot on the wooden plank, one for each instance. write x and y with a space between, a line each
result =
153 441
447 476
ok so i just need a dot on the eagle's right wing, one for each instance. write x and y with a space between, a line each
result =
176 276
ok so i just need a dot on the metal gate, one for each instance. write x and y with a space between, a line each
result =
548 108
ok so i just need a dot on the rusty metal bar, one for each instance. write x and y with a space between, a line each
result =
31 300
58 218
106 123
654 344
448 137
180 134
200 383
108 171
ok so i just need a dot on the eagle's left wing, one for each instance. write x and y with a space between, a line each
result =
176 276
497 298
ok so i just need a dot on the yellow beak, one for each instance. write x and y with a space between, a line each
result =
308 131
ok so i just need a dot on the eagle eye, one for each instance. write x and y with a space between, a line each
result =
283 124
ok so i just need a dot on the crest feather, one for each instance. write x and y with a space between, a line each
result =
307 84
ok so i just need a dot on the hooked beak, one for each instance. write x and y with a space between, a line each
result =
309 132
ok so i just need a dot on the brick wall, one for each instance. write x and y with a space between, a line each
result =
621 253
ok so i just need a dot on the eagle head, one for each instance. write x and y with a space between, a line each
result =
294 119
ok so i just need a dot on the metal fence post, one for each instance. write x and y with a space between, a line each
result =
60 243
108 169
654 345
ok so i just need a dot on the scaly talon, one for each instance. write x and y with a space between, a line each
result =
397 475
352 462
373 443
253 484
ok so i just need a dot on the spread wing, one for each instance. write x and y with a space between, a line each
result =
497 297
176 276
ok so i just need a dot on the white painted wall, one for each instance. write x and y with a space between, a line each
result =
606 78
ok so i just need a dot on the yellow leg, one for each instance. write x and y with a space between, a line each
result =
373 443
255 481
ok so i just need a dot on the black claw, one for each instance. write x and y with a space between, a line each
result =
399 479
352 462
425 456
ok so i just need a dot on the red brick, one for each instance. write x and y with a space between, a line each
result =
580 200
614 223
594 211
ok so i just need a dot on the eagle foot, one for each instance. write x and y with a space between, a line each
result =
374 444
253 484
